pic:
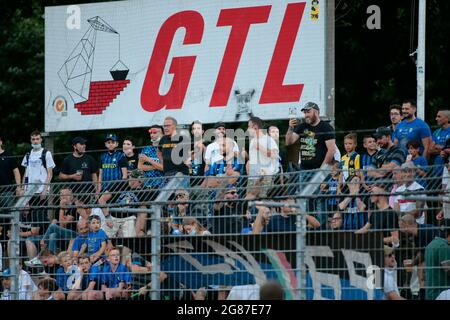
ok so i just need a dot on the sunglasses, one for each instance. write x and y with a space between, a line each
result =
180 195
231 192
390 255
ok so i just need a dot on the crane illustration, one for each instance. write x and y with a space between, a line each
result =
92 97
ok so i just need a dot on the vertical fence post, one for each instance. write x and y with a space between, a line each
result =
307 188
15 239
156 251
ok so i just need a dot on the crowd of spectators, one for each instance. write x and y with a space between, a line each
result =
383 188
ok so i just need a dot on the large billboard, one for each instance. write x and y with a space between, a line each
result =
131 63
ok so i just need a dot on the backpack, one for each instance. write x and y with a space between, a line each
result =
43 160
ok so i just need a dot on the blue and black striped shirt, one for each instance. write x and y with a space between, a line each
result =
111 164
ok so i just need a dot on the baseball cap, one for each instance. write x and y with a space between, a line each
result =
310 105
111 136
6 273
382 131
137 174
79 140
219 124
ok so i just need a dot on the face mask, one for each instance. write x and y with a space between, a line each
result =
155 140
193 232
36 146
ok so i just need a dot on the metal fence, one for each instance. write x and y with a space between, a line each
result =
228 237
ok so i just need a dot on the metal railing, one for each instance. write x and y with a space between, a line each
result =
294 229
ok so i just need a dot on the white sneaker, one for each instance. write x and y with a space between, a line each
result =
35 262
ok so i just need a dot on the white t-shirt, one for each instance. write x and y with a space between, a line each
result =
259 162
245 292
35 171
444 295
26 285
390 282
213 154
446 183
410 205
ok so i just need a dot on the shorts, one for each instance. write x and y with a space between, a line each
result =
122 227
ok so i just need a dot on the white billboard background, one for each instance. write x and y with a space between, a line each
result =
139 22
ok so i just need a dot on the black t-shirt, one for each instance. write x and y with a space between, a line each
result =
7 165
198 161
73 224
312 143
33 219
132 161
386 219
86 163
174 154
226 220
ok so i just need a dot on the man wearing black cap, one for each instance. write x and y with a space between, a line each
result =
317 138
78 167
388 158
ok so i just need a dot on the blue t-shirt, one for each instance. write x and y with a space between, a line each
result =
220 167
414 130
113 279
78 242
152 153
93 275
61 279
95 240
421 163
279 223
440 137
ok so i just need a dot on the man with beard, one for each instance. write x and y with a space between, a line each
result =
412 128
388 158
395 113
226 218
317 139
198 149
80 167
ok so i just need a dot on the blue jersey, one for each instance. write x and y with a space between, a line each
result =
367 162
61 279
440 137
220 167
93 275
152 153
421 162
279 223
111 164
78 242
113 279
95 240
332 190
414 130
352 218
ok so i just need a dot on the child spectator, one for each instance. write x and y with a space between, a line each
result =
112 166
367 158
96 240
352 207
419 161
329 188
192 227
46 290
64 272
350 163
88 285
116 278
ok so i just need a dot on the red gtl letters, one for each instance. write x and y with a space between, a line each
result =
181 67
